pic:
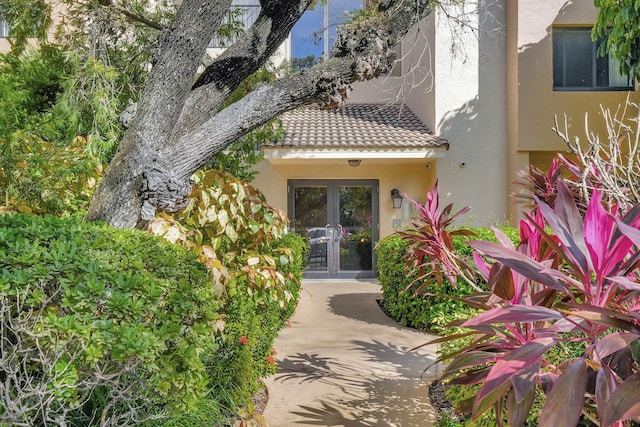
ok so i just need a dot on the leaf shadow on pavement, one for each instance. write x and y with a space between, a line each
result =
385 388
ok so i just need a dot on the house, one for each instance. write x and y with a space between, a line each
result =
468 106
485 95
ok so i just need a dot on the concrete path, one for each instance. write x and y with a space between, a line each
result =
343 362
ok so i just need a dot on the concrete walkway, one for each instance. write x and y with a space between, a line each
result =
343 362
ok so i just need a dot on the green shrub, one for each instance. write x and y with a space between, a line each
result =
45 166
98 323
257 268
428 310
247 353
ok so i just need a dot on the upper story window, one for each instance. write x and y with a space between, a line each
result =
313 35
576 67
242 11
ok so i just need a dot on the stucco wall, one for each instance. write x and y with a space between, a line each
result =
411 177
538 103
470 102
533 102
455 82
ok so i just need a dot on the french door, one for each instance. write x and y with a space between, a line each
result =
339 218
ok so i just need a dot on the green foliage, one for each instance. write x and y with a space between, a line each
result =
555 334
110 55
619 22
105 322
44 167
256 267
252 325
26 21
233 229
412 303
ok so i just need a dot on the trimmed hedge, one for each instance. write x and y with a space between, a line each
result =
427 311
117 326
103 323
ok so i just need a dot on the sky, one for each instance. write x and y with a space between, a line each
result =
307 36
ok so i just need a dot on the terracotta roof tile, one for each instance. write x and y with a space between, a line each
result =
357 126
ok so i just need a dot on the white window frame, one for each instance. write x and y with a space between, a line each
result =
4 28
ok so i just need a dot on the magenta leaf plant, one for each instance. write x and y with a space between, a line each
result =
573 281
431 250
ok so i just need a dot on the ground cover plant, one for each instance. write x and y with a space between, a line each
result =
571 283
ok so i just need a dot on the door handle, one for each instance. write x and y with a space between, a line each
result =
339 234
327 230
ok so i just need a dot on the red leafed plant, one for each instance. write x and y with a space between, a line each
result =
431 252
573 279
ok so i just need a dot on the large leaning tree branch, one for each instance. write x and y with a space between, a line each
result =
239 61
178 127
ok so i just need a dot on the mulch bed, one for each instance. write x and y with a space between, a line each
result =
441 404
260 400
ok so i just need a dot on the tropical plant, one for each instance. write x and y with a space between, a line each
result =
431 252
570 280
232 228
618 23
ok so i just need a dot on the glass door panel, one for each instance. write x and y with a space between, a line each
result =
355 226
339 220
311 221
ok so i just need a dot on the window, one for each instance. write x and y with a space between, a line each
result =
313 35
245 11
4 28
576 66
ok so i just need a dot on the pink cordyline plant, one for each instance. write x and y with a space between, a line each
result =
431 252
572 279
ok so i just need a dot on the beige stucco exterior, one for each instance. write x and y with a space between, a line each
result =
411 177
493 100
532 102
461 97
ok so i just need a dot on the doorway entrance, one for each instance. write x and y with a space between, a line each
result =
340 220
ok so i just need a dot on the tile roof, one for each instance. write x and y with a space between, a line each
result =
354 126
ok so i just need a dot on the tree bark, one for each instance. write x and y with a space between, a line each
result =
178 128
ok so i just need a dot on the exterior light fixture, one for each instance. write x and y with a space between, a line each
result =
354 163
396 198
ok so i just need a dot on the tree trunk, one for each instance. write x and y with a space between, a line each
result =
178 128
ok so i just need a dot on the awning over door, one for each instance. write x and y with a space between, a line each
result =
365 131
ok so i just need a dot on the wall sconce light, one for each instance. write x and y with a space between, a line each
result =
396 198
354 163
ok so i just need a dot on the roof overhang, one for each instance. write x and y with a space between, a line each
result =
282 155
375 132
